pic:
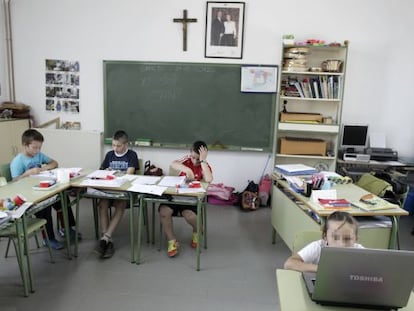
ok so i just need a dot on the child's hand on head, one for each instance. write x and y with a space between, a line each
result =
203 153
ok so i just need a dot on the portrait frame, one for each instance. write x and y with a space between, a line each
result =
259 78
224 29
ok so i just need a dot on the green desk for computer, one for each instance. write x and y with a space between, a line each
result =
292 213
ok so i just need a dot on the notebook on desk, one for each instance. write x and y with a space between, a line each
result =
364 278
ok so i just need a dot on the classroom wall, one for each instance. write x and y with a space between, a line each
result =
379 73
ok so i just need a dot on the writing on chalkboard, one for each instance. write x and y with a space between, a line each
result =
174 104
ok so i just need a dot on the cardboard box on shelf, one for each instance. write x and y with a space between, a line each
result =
300 116
302 146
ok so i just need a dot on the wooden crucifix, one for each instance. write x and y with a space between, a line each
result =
184 21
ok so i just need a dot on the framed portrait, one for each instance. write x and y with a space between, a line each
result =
259 78
224 29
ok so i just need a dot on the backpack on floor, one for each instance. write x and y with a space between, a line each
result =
249 198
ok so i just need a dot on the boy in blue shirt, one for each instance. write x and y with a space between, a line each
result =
120 158
30 162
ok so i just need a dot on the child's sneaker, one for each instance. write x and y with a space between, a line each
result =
172 248
101 247
194 240
109 250
55 244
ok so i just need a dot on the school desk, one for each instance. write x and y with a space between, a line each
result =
178 198
293 295
292 212
24 187
110 192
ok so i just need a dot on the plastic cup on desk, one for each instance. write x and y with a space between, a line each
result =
18 200
63 175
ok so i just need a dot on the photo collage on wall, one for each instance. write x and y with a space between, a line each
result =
62 86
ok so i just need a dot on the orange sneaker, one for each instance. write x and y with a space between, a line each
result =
172 248
194 240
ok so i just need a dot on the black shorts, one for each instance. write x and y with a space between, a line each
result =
179 208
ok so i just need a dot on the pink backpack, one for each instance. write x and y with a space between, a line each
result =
221 194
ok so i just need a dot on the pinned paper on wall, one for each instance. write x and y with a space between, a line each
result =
62 86
377 140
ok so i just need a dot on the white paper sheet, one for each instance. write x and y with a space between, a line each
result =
20 210
172 181
323 194
129 177
111 183
102 174
146 180
191 190
377 140
46 175
150 189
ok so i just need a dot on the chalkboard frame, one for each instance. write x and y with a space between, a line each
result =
267 104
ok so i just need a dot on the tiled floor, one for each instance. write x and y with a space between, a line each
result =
237 270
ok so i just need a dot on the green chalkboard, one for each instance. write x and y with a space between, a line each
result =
174 104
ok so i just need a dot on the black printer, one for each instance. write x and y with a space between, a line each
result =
382 154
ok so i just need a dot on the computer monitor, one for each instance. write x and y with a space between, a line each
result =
354 137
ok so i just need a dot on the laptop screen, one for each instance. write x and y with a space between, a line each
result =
364 277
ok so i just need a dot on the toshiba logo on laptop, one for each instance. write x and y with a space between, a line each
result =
366 278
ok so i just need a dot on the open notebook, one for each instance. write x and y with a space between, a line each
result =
364 278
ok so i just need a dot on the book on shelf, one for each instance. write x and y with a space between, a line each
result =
299 88
324 86
315 88
305 88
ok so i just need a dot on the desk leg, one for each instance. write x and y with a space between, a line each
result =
153 223
204 208
78 197
273 235
199 215
139 232
26 254
22 257
65 207
96 217
394 232
131 225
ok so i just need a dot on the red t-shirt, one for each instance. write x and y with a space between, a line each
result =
197 169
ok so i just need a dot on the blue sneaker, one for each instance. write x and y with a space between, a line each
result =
55 244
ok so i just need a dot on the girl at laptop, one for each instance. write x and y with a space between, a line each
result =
339 230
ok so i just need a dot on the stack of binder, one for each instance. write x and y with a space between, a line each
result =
295 169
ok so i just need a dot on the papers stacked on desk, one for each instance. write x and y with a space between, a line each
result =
18 212
150 189
172 181
146 180
104 178
295 169
102 174
112 183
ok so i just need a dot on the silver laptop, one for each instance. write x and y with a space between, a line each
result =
364 278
